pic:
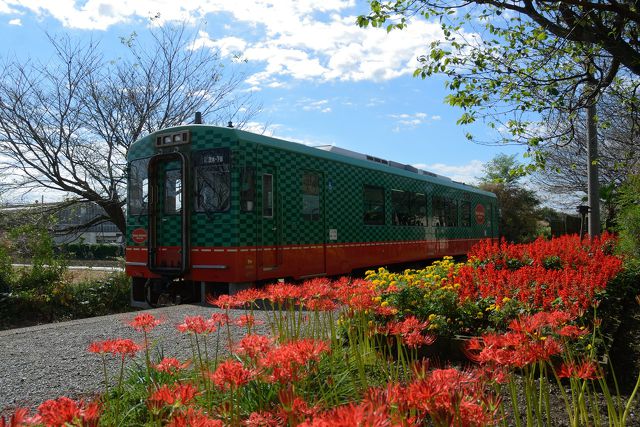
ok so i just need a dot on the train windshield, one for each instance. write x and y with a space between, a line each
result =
138 187
213 180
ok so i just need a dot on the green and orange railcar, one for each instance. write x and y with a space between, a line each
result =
213 209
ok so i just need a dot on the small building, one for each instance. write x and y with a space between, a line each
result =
67 222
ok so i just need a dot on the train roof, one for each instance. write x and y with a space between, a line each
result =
329 152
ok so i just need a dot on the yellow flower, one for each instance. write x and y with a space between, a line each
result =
384 303
506 299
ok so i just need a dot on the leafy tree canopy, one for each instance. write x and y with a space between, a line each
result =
516 63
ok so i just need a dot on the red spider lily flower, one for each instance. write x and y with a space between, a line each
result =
219 319
363 414
572 331
452 397
197 325
64 411
144 322
289 361
100 347
194 418
586 370
263 419
514 349
253 346
175 395
19 418
248 297
225 301
171 365
281 293
247 320
230 375
124 347
410 330
540 320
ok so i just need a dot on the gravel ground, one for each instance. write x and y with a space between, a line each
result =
47 361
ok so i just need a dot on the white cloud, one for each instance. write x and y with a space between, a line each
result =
405 121
303 40
311 105
17 22
466 173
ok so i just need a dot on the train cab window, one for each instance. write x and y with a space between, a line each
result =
247 189
213 181
138 187
173 192
465 213
267 195
373 205
311 196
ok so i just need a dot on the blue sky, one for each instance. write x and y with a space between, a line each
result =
320 78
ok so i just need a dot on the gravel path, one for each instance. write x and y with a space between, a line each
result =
47 361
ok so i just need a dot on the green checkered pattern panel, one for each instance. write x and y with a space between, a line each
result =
341 195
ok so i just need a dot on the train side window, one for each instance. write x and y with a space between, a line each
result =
373 198
310 196
138 187
401 207
247 189
267 195
438 211
465 213
419 209
173 192
213 181
451 212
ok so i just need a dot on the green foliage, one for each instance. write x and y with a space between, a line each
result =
65 301
513 71
6 271
89 251
502 169
629 217
95 298
518 217
33 244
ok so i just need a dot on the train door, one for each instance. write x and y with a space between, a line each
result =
314 230
168 216
269 231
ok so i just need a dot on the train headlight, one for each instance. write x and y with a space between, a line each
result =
172 139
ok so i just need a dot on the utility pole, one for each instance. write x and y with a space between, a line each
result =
593 186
